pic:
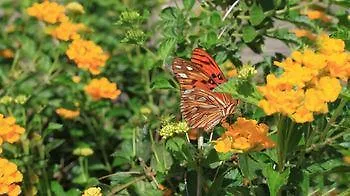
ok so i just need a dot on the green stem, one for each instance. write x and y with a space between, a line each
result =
116 189
199 168
281 143
336 113
91 128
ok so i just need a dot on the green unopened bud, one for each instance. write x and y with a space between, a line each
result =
130 16
21 99
246 71
135 36
6 100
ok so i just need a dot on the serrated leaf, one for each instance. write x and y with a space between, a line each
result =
275 180
256 14
240 89
249 34
166 47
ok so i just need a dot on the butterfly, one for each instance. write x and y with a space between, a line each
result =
200 106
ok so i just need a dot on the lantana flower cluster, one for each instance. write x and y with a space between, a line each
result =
243 136
102 88
310 80
9 131
86 54
9 177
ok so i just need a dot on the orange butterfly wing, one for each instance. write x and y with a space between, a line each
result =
201 107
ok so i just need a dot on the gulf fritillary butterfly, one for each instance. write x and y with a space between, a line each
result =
201 107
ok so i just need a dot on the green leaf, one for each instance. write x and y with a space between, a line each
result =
248 166
188 4
161 82
57 189
240 89
256 14
161 160
166 47
275 180
249 34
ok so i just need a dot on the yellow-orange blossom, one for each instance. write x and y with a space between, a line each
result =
310 80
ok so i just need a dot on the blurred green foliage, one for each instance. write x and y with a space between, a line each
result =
130 158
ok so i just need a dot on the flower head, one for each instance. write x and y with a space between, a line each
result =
92 191
171 129
87 55
304 33
67 114
75 7
50 12
244 135
309 82
9 131
7 53
83 151
316 14
67 31
102 88
9 177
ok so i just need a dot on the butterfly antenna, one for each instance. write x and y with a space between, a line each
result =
225 16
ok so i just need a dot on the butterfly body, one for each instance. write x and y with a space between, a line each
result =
200 106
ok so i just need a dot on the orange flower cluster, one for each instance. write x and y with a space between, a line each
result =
9 131
87 55
242 136
67 31
317 15
50 12
67 114
9 176
7 53
310 81
102 88
304 33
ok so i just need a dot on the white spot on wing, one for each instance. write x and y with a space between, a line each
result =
182 75
188 91
178 66
189 68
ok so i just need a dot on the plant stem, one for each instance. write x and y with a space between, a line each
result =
336 113
199 168
280 143
116 189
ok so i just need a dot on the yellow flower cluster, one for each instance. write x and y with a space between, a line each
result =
9 177
304 33
92 191
83 151
173 128
102 88
242 136
87 55
317 15
67 31
310 80
9 131
67 114
50 12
